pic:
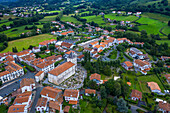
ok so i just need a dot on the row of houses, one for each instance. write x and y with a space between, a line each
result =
23 100
139 65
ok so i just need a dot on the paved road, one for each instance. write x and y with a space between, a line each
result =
134 108
35 99
14 84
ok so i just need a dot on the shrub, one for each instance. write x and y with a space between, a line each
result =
28 67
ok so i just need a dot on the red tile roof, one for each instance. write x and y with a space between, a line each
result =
164 106
90 91
128 63
153 86
73 102
66 109
95 76
71 93
136 93
16 108
39 73
61 68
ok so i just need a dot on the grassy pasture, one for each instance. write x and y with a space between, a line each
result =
26 42
11 33
121 18
96 19
70 19
166 30
48 18
6 23
157 16
152 26
163 41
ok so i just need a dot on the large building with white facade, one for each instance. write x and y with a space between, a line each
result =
61 73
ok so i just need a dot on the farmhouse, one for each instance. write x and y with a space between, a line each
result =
67 33
136 95
61 73
66 45
154 87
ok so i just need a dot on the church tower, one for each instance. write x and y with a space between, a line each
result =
72 58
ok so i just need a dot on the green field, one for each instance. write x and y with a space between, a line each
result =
20 30
6 23
152 26
84 12
7 17
121 18
96 19
163 41
166 30
70 19
48 18
157 16
26 42
149 78
50 11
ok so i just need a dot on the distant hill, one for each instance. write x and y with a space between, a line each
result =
8 0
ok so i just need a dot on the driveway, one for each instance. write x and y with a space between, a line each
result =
134 108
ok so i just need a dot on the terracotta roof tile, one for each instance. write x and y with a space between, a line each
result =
153 86
16 108
71 93
95 76
61 68
39 73
164 106
66 109
26 82
136 93
128 63
42 102
4 73
73 102
50 91
54 105
90 91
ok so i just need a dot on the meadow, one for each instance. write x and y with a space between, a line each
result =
97 19
48 18
70 19
152 26
11 33
163 41
166 30
157 16
26 42
121 18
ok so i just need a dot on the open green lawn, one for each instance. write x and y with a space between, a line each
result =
166 30
149 78
84 12
11 33
50 11
70 19
26 42
131 77
96 19
163 41
48 18
121 18
152 26
114 55
157 16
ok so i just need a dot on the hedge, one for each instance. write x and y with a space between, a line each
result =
145 107
28 67
130 58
